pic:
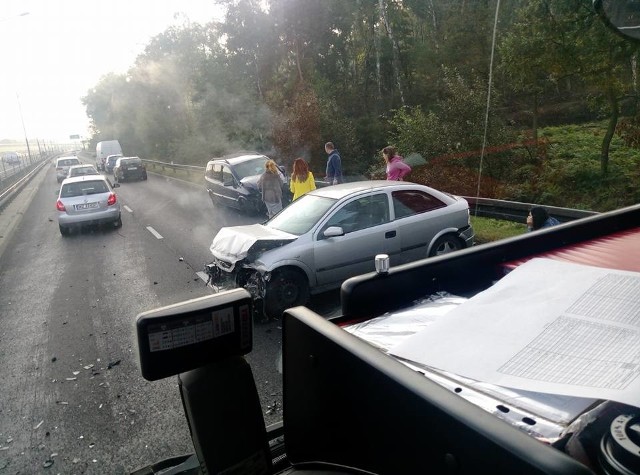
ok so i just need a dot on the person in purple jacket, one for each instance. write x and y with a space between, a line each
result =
396 168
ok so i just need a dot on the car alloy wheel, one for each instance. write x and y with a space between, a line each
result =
445 244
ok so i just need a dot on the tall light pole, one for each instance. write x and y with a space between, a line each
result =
24 129
17 97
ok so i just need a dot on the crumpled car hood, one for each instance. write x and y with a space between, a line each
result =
234 243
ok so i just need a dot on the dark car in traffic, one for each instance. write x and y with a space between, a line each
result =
129 168
233 181
110 163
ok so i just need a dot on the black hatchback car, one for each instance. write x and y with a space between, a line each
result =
233 181
129 168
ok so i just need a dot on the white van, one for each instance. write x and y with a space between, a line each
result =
104 149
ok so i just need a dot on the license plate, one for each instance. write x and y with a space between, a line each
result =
132 168
86 206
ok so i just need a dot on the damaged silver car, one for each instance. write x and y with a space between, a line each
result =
334 233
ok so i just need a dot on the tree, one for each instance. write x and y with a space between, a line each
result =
566 41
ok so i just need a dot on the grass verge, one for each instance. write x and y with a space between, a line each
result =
489 229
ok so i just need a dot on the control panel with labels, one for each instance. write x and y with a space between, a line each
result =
194 333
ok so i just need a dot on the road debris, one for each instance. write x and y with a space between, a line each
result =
113 363
47 463
273 408
38 425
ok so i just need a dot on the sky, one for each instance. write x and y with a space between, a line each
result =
53 51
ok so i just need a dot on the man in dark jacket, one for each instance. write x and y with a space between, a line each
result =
334 164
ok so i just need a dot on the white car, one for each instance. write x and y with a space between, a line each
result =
86 200
62 166
334 233
81 170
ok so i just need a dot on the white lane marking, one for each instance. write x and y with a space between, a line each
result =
154 232
128 209
203 276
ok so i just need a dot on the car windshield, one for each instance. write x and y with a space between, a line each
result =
301 215
252 167
532 103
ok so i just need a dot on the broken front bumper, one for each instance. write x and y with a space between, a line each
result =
249 278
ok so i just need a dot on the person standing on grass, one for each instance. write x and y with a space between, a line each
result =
334 164
302 180
396 168
270 185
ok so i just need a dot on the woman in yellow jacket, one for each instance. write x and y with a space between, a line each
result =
302 180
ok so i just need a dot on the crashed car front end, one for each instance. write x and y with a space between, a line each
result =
236 251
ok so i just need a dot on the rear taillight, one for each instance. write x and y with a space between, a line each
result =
112 199
60 206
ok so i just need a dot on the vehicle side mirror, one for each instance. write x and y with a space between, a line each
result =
333 231
622 16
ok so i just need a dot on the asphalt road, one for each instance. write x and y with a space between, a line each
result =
71 396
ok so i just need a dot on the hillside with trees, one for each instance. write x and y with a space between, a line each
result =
535 102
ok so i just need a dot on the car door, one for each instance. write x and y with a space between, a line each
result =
367 232
418 216
214 184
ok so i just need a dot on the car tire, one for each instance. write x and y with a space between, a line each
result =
446 244
64 230
286 288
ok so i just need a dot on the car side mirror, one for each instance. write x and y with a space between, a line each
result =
333 231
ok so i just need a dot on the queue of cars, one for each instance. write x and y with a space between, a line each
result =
88 198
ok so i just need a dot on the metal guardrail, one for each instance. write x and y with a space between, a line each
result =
173 166
517 211
483 207
7 194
